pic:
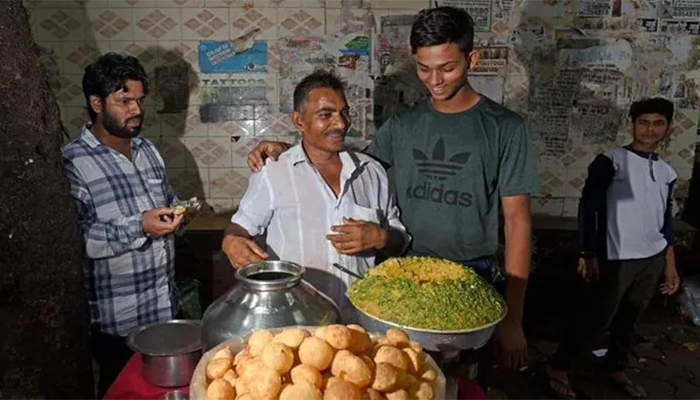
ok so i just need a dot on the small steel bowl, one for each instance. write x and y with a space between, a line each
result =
175 395
170 351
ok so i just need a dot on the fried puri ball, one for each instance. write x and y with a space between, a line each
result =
368 360
291 337
217 368
408 381
400 394
223 353
351 368
338 336
231 377
397 337
416 360
220 389
387 378
179 210
320 332
356 327
382 341
361 342
248 370
327 380
422 391
372 394
416 347
278 356
258 340
267 384
342 390
316 352
241 387
429 375
393 356
299 391
242 358
303 373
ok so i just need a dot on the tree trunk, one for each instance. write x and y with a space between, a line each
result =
44 350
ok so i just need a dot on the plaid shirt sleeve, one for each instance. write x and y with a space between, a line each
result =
103 239
171 195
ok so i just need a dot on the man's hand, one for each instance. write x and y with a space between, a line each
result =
588 269
354 237
241 251
672 282
512 345
265 149
190 215
160 222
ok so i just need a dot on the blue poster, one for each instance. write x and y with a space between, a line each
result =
220 57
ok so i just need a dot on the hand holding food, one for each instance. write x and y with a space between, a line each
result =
355 236
158 222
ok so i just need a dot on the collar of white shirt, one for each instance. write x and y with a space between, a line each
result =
350 160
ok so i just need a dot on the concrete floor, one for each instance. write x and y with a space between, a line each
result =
666 360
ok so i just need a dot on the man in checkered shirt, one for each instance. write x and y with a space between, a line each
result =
124 211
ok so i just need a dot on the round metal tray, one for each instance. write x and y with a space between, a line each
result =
436 340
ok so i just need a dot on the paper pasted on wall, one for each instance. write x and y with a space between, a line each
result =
219 56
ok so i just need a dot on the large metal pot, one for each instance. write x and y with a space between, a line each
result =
268 294
169 350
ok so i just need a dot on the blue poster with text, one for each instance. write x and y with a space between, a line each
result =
219 56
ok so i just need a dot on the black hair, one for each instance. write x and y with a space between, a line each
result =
442 25
109 74
316 80
656 105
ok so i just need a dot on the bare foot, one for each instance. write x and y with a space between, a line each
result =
621 380
559 383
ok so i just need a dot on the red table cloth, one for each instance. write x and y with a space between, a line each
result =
131 385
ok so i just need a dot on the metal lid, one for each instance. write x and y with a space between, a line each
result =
168 338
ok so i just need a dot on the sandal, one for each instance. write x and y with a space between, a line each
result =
558 388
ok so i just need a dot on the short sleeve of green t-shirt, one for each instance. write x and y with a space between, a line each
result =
517 170
381 147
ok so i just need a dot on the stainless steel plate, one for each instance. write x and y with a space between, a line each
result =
168 338
445 342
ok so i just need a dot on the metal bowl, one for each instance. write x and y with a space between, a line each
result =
169 350
446 342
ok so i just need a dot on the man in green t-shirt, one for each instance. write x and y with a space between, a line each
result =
454 157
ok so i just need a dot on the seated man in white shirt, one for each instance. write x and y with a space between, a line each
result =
319 204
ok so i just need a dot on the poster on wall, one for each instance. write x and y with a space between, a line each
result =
500 9
480 11
679 27
685 8
347 55
394 47
221 96
593 8
492 61
650 25
220 56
